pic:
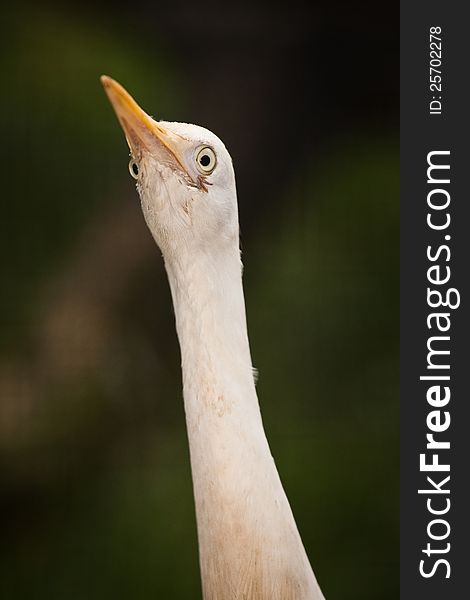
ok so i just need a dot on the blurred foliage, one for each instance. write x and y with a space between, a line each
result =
322 308
60 130
95 485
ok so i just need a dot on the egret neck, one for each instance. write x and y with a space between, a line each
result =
248 539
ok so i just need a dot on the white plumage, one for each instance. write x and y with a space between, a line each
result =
249 544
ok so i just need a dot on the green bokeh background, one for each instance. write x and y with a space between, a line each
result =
95 485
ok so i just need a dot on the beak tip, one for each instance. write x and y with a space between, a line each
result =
105 81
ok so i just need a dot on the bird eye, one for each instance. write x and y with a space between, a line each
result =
206 160
133 168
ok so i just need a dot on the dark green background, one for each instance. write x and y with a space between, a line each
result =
95 488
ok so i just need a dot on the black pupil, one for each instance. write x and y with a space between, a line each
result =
135 169
205 160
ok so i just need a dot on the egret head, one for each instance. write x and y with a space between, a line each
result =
184 177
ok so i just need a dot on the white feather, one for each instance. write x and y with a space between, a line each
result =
249 543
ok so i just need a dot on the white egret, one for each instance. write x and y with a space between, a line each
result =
249 545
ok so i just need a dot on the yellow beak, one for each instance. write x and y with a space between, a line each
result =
140 129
